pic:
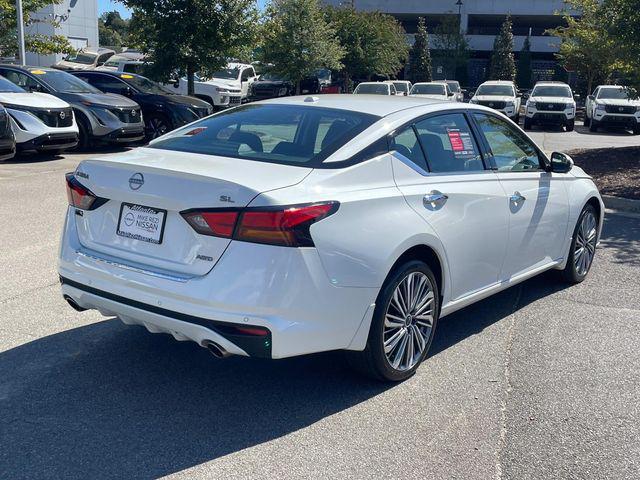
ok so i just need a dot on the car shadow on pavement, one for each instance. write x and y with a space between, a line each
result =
604 132
111 401
622 239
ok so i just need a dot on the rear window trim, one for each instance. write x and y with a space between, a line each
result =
317 161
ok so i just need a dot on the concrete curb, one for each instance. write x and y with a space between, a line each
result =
621 204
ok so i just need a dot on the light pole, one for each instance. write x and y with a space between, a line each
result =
459 4
20 32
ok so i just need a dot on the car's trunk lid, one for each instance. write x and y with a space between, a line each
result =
165 184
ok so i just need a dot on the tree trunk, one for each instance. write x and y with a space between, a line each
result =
191 90
298 87
347 82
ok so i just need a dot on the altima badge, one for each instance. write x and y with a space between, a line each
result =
136 181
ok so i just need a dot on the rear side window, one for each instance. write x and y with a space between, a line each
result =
449 144
406 144
285 134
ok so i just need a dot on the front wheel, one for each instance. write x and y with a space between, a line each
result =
587 121
570 126
527 124
593 126
403 324
157 125
583 246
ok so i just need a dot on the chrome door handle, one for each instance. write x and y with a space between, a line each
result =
517 198
435 197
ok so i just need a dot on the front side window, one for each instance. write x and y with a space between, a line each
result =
14 83
454 86
401 87
406 144
284 134
512 151
449 144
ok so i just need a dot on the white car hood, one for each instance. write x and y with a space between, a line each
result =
494 98
219 82
613 101
38 100
73 66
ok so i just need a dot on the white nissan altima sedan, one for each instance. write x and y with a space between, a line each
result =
306 224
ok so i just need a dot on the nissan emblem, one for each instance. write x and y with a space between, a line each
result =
136 181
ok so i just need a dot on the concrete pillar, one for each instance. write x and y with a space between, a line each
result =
464 22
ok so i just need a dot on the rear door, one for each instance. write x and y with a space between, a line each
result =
438 167
536 200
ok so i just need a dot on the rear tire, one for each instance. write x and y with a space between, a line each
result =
516 119
527 124
636 130
593 126
587 121
403 324
583 246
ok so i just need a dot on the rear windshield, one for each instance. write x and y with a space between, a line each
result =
429 89
372 88
499 90
284 134
551 91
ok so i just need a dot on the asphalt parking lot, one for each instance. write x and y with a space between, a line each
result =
538 382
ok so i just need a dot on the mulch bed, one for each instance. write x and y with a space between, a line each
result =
616 171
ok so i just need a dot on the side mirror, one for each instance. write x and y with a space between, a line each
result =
577 96
591 97
99 64
561 162
128 92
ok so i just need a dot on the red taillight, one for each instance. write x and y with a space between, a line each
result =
80 196
216 223
286 226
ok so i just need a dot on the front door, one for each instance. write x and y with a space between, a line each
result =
439 169
536 200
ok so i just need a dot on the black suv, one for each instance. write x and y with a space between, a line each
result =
162 109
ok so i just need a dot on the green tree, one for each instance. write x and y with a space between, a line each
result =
451 49
190 35
586 46
298 40
621 18
524 75
113 30
503 66
420 55
373 43
37 43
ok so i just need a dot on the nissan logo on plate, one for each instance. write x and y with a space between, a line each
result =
62 115
136 181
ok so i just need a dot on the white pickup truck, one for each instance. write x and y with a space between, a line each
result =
612 106
225 88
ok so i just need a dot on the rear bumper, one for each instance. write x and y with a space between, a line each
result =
50 141
284 290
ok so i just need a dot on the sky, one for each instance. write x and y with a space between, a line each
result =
110 5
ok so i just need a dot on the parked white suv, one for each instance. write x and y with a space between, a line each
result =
225 88
258 233
85 59
40 121
612 106
550 103
433 90
500 95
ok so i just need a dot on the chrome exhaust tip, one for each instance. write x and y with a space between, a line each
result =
216 350
73 304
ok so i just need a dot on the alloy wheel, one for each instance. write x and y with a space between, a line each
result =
158 127
408 321
585 243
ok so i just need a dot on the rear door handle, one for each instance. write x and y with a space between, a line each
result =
435 198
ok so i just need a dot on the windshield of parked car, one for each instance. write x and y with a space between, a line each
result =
227 73
372 89
619 93
283 134
7 86
454 86
428 89
551 91
63 82
497 90
144 84
401 87
82 57
272 77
